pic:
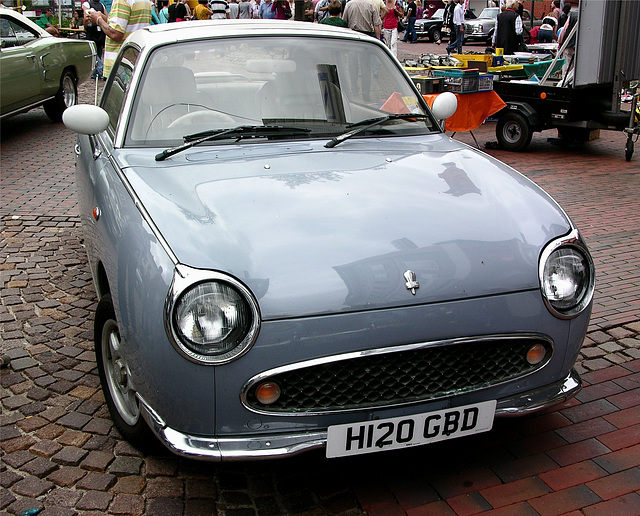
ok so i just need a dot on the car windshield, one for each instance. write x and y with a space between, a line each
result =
490 13
322 85
438 15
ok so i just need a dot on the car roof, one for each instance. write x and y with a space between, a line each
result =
167 33
9 13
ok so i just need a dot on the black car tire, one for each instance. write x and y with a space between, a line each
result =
114 375
67 96
513 132
435 35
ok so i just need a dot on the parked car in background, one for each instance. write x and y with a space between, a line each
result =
39 69
482 28
433 28
289 254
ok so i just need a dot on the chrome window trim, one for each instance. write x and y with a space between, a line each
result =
574 240
184 278
381 351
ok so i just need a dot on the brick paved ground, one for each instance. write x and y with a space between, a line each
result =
60 450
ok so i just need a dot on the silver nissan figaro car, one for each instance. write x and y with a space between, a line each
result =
289 253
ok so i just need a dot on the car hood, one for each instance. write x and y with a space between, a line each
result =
312 230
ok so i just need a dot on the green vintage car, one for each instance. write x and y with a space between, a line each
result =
39 69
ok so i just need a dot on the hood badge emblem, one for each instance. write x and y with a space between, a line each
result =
411 282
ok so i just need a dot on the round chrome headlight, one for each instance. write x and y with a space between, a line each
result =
212 317
567 277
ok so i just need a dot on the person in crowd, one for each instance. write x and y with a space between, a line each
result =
281 9
508 31
177 12
202 11
362 16
569 51
419 10
126 17
335 8
95 35
555 10
566 9
447 20
309 11
74 23
255 9
234 9
154 13
547 32
163 13
219 9
321 10
410 32
46 22
458 27
393 12
244 10
265 10
187 7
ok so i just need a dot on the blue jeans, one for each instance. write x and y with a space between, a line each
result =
410 32
545 36
457 44
99 68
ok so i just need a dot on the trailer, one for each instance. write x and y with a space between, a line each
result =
606 38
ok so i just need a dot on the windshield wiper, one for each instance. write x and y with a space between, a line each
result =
365 125
240 132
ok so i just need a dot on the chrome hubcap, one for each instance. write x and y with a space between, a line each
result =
118 375
68 91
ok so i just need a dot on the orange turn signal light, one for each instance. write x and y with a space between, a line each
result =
268 393
536 354
543 95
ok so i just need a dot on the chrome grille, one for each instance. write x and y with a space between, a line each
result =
404 376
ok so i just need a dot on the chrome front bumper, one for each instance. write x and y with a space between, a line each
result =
279 445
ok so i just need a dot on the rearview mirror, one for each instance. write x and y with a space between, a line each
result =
85 119
444 105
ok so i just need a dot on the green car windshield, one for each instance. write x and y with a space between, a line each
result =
321 85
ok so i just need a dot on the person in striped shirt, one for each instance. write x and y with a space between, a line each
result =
125 17
219 9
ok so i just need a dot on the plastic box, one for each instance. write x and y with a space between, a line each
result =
485 82
461 84
429 84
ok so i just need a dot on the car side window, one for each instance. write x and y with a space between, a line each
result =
14 35
114 97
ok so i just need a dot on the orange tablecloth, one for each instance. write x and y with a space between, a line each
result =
473 109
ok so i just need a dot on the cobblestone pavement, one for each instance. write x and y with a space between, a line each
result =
61 453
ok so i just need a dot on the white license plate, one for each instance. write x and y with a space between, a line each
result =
401 432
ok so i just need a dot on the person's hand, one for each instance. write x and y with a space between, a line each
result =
93 16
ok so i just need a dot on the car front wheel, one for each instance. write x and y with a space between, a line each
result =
115 377
67 96
435 35
513 132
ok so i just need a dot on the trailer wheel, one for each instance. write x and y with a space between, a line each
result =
628 150
513 132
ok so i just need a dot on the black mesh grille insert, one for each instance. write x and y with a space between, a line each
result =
401 377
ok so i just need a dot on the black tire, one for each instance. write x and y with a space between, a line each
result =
628 150
67 96
513 132
115 378
435 35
